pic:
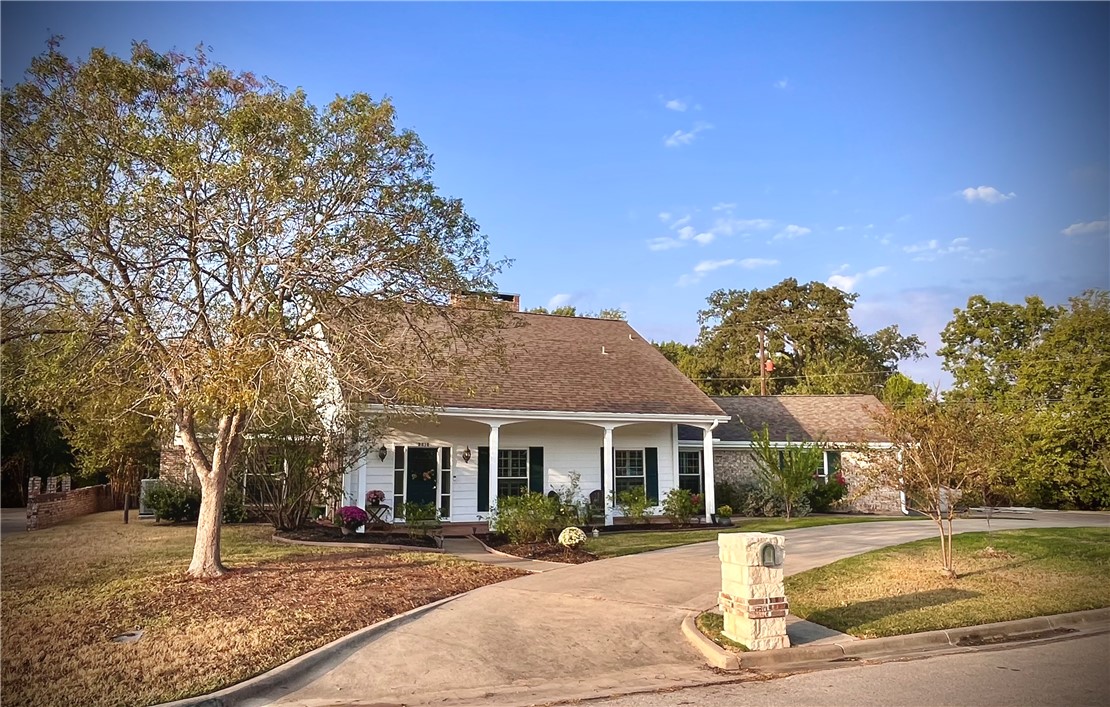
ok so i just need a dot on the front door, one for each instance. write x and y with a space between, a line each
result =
422 471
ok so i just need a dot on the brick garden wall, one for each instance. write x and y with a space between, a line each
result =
172 464
57 502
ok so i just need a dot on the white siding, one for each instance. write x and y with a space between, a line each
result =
568 447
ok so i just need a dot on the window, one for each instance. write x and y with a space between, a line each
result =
832 466
689 471
512 472
628 471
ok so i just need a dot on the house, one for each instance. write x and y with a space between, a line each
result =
577 395
841 423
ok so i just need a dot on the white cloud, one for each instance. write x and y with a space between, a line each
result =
681 137
558 300
1079 228
903 218
933 249
679 223
847 283
841 228
792 231
705 237
708 266
664 244
988 194
664 216
686 232
782 84
724 207
676 104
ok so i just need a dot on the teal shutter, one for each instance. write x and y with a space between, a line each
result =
651 467
535 469
483 479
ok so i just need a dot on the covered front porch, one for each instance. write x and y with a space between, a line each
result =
465 460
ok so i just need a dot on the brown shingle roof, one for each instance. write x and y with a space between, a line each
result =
810 418
556 363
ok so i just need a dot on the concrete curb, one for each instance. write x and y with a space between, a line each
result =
364 546
984 635
302 669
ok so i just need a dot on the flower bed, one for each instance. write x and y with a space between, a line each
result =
550 551
326 533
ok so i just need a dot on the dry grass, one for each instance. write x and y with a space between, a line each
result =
1002 576
68 590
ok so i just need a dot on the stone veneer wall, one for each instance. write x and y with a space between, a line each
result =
57 503
738 467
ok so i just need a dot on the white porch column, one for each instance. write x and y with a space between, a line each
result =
494 440
607 474
710 494
361 487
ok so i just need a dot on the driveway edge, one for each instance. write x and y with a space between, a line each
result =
305 667
969 637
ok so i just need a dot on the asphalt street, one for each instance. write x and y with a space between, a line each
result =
1066 673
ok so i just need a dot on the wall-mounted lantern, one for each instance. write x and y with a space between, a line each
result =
382 451
466 454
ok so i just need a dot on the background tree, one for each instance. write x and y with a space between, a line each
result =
787 472
1049 369
569 310
810 341
210 229
940 452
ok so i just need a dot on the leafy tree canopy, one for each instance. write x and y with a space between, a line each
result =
201 230
569 310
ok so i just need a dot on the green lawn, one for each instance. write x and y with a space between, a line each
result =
617 544
1004 575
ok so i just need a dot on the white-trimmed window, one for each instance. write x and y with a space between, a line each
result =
831 466
512 472
628 469
689 470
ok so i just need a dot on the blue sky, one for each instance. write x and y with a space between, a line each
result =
643 155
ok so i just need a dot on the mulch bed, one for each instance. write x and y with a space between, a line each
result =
332 534
550 551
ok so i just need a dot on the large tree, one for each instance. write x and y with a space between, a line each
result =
216 235
809 339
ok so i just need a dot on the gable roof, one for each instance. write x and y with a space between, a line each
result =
580 364
809 418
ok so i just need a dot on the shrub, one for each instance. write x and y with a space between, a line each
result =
724 511
634 503
680 505
527 518
761 503
730 494
180 503
822 496
419 517
174 501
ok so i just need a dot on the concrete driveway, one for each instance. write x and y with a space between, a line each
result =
13 520
588 630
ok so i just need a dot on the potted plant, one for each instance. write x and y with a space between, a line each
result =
724 515
351 518
375 497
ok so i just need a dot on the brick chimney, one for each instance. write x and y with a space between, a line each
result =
480 299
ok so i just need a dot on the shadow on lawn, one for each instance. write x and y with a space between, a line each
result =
844 618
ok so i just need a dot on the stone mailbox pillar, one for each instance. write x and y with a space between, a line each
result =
752 596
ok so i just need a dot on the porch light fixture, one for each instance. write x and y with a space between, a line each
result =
382 451
466 454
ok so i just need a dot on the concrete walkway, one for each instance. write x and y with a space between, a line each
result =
586 630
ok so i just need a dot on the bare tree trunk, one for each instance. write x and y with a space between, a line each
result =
206 549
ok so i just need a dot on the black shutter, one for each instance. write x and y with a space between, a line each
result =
444 457
535 469
483 479
398 457
651 466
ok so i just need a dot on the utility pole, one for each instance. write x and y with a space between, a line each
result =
762 363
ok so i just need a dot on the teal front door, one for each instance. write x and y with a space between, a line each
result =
422 473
